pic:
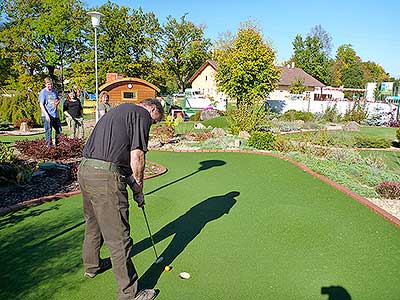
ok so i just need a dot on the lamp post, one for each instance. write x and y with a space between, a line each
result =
96 23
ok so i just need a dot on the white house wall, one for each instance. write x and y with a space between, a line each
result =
205 82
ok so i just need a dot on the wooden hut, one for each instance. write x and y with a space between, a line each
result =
131 90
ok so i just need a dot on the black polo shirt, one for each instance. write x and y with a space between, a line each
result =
121 130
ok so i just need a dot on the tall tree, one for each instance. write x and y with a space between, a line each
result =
127 41
346 61
373 72
324 37
246 71
309 55
184 48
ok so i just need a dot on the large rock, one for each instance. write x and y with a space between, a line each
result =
24 127
199 126
351 126
209 114
244 135
218 132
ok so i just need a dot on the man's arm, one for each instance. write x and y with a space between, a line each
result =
43 109
136 180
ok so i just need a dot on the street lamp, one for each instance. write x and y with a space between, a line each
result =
96 23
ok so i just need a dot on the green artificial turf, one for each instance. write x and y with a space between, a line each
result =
244 226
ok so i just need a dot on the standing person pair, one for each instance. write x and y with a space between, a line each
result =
73 111
114 158
49 101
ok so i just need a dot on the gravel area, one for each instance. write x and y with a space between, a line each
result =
389 205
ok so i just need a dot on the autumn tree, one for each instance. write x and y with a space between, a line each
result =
183 49
246 70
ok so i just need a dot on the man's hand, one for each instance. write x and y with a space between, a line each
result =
139 198
137 191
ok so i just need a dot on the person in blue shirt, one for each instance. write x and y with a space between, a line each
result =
49 101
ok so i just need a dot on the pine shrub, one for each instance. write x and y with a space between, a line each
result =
6 153
262 140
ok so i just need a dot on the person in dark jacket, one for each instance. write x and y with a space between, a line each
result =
114 157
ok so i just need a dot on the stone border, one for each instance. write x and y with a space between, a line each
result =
23 204
362 200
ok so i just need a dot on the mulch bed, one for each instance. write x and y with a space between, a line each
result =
52 182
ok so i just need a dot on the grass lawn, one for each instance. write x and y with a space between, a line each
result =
13 138
385 132
244 226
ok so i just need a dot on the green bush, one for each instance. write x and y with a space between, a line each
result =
292 115
331 114
218 122
367 141
358 112
246 118
196 116
23 105
398 134
11 173
6 153
262 140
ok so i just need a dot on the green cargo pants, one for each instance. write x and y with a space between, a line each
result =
106 211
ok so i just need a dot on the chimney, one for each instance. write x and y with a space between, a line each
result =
292 64
113 76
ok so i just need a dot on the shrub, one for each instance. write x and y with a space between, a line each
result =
196 116
11 173
358 112
246 118
28 121
398 135
292 115
331 114
20 106
389 189
6 153
366 141
394 123
4 125
200 136
162 133
262 140
37 149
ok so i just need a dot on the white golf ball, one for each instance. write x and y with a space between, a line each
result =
184 275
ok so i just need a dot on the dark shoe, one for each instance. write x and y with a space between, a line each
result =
105 264
148 294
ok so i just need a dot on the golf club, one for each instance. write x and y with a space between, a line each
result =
158 258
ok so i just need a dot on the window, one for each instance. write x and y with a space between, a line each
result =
206 77
129 95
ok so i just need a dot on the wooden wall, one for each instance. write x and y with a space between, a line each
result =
142 90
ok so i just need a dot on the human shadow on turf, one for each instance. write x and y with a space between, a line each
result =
335 293
205 165
184 229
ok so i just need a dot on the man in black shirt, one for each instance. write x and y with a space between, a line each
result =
114 157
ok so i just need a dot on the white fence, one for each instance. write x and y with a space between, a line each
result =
313 106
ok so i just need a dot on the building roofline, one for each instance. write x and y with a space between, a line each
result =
127 79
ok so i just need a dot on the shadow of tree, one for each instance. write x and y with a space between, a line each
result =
184 229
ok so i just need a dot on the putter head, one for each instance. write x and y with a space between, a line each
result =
159 259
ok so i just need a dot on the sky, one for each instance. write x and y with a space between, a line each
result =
371 27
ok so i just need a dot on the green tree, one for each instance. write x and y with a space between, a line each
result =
127 41
309 55
373 72
346 59
246 71
297 86
183 49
